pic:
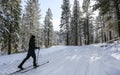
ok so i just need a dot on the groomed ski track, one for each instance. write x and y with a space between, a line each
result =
68 60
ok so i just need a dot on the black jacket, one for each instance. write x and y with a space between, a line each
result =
32 46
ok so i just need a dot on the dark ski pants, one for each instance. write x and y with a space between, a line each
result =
27 57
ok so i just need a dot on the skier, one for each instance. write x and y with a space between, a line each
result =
31 52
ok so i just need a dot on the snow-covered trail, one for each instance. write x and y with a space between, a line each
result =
68 60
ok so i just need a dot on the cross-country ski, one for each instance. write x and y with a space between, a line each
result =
35 67
27 69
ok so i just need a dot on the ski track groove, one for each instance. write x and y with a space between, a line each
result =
109 67
75 61
59 62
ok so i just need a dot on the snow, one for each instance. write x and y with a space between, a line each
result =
68 60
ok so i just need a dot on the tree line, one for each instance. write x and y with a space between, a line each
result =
80 27
18 24
75 28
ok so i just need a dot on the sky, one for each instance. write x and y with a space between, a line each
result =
55 6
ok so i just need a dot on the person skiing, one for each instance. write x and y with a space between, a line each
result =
31 52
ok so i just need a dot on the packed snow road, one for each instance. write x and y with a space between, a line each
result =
67 60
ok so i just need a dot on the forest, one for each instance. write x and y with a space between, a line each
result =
78 25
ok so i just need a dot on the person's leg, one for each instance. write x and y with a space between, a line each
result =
20 66
34 60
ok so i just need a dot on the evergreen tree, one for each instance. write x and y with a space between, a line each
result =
2 26
99 30
48 28
65 21
12 11
106 6
75 23
85 6
31 23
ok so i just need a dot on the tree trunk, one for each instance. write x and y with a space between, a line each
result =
48 39
9 42
76 36
87 29
67 39
116 4
80 41
105 39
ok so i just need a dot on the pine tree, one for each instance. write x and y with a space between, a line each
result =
48 28
99 30
106 6
1 21
85 6
31 23
12 11
2 26
75 23
65 21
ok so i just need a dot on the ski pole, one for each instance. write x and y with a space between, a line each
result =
38 55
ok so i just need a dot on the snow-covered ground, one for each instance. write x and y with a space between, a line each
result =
68 60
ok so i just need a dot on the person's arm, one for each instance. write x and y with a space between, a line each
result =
37 47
